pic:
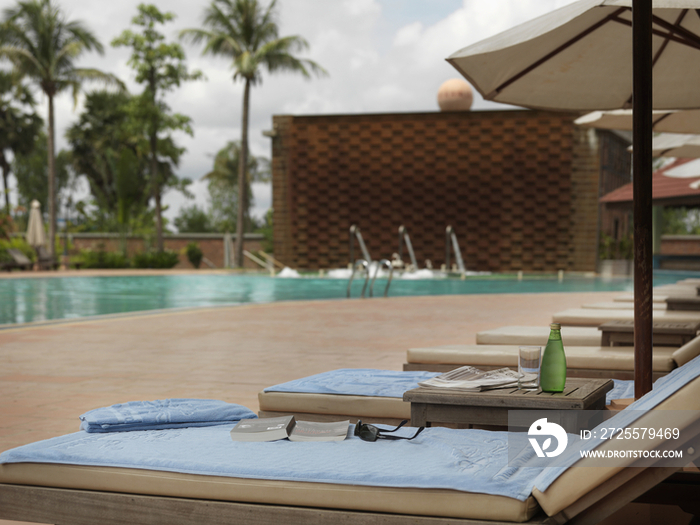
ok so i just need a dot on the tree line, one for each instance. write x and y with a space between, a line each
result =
123 143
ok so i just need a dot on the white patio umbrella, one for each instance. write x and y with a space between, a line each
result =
579 58
595 55
35 229
676 145
674 121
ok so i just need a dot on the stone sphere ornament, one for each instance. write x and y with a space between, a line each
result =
455 95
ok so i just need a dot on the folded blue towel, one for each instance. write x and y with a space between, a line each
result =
356 382
623 389
164 413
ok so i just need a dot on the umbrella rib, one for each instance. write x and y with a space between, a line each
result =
554 53
667 39
660 119
686 37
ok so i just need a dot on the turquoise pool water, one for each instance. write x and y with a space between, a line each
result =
41 299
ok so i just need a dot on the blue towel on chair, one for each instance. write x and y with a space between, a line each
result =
164 413
387 383
356 382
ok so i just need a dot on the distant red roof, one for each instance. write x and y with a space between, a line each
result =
666 191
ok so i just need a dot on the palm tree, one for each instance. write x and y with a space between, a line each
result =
247 33
19 124
44 46
223 184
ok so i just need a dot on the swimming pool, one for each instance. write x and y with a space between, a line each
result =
40 299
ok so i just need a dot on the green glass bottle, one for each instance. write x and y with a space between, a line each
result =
553 371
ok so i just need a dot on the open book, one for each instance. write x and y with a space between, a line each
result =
274 428
470 379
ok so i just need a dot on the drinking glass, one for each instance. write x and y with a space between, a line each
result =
529 361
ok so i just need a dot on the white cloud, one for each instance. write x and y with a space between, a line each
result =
381 55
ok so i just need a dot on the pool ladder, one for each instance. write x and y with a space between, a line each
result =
363 265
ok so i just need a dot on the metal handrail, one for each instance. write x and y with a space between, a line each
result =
404 238
365 266
387 263
448 233
451 238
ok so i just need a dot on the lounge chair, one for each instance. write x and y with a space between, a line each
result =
198 475
19 261
582 361
612 305
45 260
374 396
665 334
683 303
598 316
537 335
660 293
629 298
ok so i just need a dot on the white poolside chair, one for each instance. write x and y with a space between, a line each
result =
598 316
582 361
538 335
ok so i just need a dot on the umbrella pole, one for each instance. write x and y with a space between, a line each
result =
641 162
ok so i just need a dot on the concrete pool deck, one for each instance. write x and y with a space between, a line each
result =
52 373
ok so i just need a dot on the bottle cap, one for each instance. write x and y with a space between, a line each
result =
555 326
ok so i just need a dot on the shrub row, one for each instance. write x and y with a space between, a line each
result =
17 243
103 259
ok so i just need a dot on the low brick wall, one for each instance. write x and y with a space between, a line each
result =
679 252
212 246
680 245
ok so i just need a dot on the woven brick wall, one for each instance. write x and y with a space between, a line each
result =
520 188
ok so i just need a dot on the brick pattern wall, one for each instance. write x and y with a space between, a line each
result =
583 221
212 246
615 169
519 188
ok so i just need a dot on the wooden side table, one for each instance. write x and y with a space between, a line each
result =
490 408
683 303
666 333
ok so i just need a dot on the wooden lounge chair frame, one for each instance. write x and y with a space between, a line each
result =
45 260
84 507
19 260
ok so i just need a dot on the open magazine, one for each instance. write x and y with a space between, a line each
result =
274 428
470 379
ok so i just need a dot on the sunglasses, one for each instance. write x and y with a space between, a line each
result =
371 433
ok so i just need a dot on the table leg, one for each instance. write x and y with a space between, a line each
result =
419 415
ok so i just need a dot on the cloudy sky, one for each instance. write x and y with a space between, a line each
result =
381 56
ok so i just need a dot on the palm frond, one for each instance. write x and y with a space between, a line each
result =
96 75
43 45
195 36
246 32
